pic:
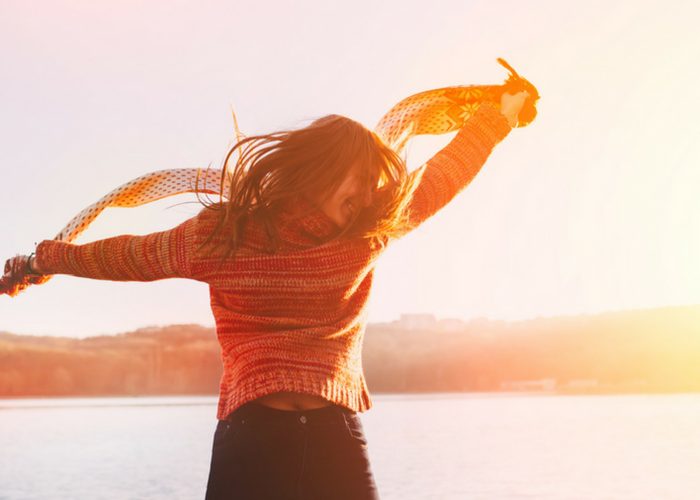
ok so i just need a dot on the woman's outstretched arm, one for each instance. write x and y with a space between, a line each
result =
154 256
453 167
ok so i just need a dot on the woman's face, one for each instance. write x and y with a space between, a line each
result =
352 195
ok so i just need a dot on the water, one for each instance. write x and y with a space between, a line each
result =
446 446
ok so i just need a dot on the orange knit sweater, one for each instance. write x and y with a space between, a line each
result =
293 320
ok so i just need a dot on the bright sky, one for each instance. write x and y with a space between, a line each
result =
594 207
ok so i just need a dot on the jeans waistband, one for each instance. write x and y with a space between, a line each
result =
253 411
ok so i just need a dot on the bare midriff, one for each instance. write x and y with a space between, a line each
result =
292 401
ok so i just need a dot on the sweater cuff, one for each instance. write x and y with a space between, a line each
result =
492 123
49 255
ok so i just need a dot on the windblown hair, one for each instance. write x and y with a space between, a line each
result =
312 161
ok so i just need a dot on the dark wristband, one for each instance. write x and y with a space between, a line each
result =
29 269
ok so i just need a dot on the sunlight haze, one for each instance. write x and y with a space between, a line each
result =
593 207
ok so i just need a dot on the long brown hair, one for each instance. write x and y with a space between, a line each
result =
312 161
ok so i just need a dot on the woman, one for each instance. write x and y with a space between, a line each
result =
289 260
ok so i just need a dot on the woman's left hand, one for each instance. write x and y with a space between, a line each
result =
511 104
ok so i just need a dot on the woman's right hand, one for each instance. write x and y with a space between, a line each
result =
24 264
19 273
511 104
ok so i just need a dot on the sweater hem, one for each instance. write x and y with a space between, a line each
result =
354 396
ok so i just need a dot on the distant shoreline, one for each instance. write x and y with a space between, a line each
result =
637 352
139 399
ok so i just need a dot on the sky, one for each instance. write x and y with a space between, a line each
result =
594 207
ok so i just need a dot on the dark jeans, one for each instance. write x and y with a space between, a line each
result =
264 453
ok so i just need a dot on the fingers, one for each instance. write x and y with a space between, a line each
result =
15 265
10 265
17 278
522 93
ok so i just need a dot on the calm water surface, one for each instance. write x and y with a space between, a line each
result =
446 446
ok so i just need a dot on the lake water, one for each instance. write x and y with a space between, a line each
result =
443 446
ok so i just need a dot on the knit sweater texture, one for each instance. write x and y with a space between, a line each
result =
293 320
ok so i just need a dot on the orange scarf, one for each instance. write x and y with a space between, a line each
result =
437 111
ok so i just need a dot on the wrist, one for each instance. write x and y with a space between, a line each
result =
31 264
512 118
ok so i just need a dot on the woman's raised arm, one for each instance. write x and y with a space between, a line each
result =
453 167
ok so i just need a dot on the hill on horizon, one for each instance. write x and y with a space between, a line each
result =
649 350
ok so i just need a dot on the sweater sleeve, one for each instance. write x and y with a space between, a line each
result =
453 167
150 257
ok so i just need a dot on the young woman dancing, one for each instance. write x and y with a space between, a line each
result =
289 261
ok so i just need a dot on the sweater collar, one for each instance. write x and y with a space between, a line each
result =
301 214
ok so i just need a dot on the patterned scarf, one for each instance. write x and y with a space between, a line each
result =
437 111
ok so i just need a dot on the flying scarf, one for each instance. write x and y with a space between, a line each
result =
437 111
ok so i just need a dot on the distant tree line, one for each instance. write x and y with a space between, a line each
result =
637 351
181 359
